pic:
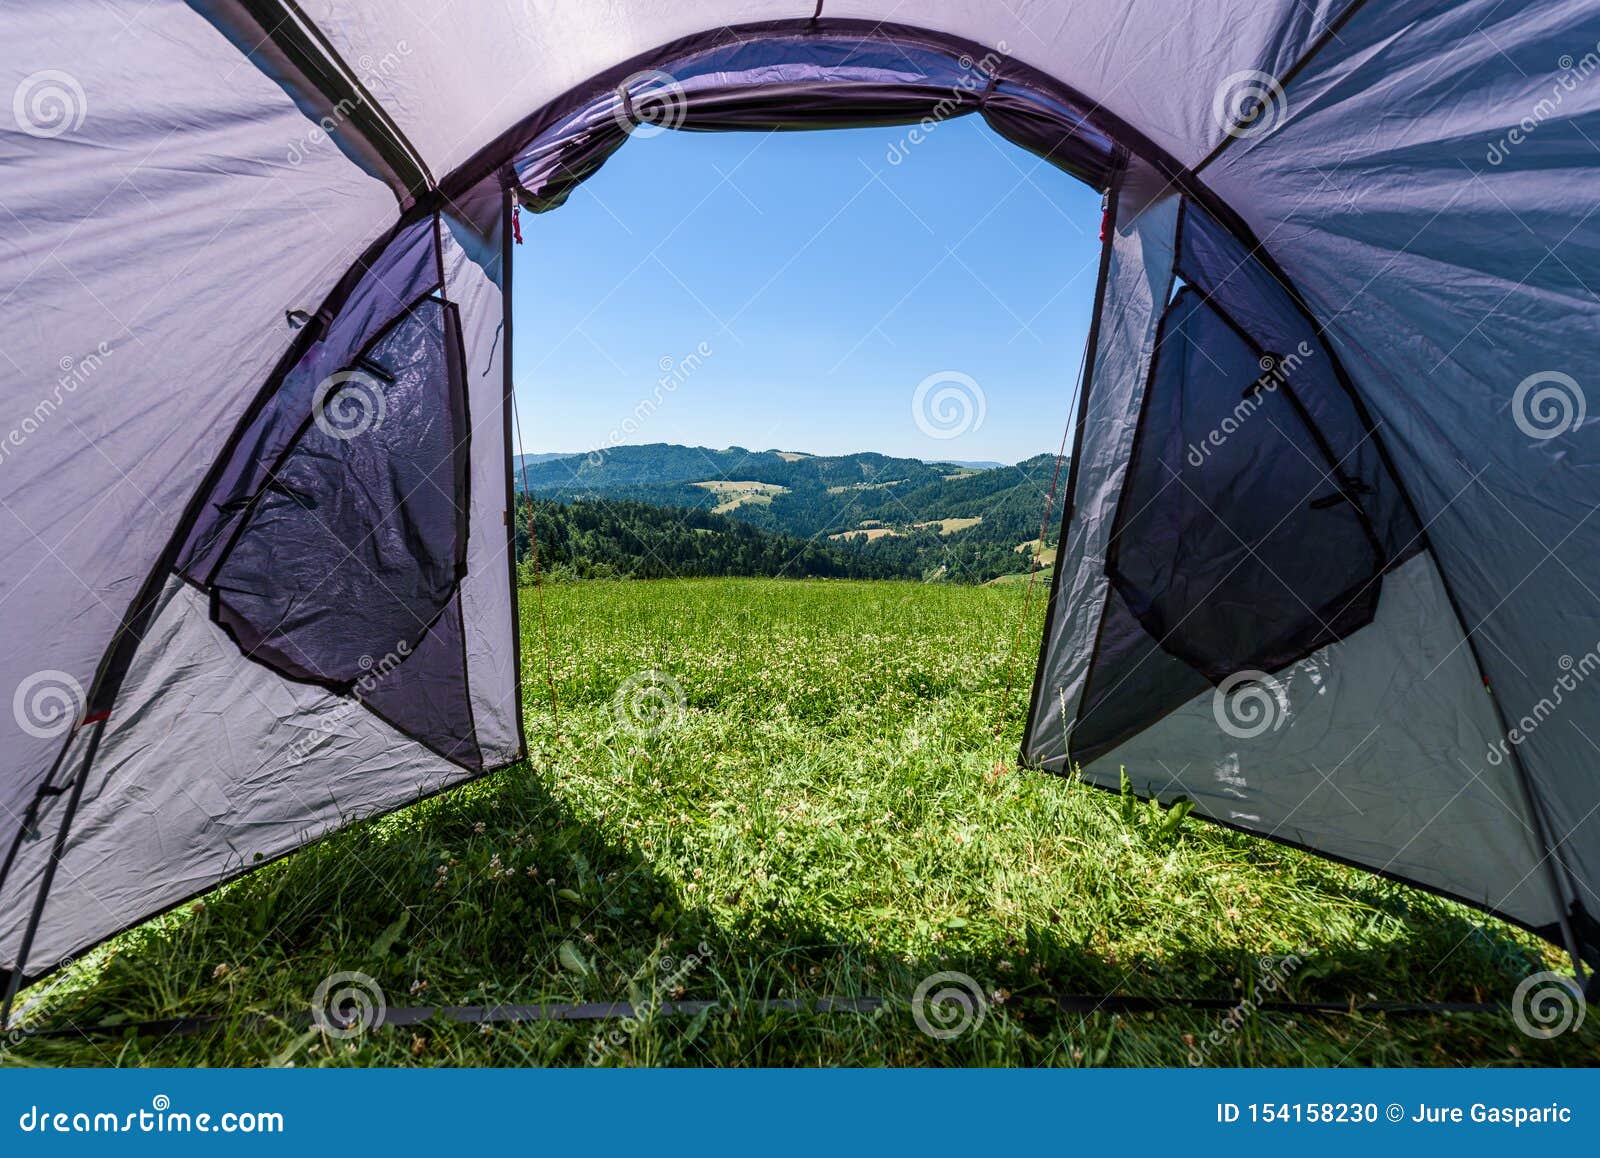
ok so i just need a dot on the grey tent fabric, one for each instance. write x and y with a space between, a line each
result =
111 355
1489 283
1135 282
299 761
210 205
474 271
1312 755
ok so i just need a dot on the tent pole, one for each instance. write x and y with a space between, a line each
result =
56 852
1536 814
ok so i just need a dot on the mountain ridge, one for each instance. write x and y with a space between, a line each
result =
944 519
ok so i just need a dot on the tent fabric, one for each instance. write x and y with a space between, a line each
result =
1295 567
406 271
475 271
1481 206
179 170
213 206
212 765
1356 752
806 81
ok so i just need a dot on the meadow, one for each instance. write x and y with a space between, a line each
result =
768 791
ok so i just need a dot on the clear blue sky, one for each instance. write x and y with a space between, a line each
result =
826 282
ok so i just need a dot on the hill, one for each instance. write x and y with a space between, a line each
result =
622 539
964 522
521 460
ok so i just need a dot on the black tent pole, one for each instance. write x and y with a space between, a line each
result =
56 852
1550 860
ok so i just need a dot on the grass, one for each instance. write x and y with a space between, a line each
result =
1036 547
951 526
733 495
1019 579
868 533
831 813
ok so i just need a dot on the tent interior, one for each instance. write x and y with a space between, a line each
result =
1284 586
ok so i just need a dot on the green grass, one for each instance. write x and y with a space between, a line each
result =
832 813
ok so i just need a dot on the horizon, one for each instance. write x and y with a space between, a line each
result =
558 454
803 290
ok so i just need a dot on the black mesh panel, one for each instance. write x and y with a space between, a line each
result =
1238 286
425 696
1235 545
354 545
1132 682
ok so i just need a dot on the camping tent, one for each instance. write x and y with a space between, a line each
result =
1326 563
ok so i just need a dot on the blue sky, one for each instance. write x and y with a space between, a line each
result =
826 283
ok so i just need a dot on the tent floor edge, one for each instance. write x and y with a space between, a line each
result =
1550 933
26 980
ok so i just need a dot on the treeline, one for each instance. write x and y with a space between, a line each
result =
635 511
958 558
620 539
823 495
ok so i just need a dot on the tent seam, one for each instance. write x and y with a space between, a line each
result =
1324 38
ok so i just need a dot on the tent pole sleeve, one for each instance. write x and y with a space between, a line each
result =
508 402
303 42
1329 32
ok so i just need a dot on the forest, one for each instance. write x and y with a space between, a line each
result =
662 510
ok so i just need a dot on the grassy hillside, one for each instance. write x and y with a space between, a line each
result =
825 809
935 521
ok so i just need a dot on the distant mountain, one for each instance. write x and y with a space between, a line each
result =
960 521
978 464
521 460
